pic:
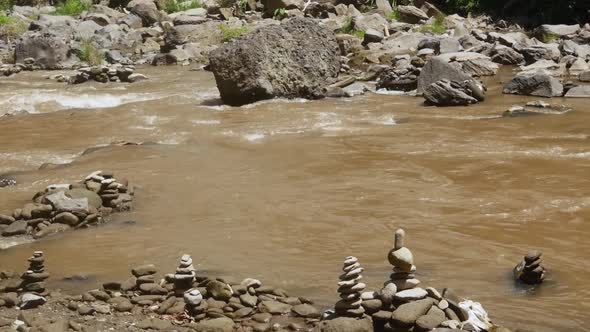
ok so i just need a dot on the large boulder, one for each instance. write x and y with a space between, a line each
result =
54 25
270 6
294 59
147 10
534 84
437 69
411 14
557 30
48 51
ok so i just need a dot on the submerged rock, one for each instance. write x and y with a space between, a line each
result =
530 271
295 59
453 93
438 69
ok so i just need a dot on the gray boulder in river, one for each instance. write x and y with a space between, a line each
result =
294 59
538 84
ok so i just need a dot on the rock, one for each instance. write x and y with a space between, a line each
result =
86 30
480 67
452 93
86 310
411 294
506 56
51 229
18 227
388 293
248 300
367 22
373 36
222 324
154 324
431 320
437 69
584 76
295 59
144 270
94 199
137 78
219 290
48 52
29 301
346 324
407 314
582 91
384 6
123 306
372 306
147 11
401 258
530 271
557 30
271 6
63 203
6 220
535 84
411 14
66 218
306 311
274 307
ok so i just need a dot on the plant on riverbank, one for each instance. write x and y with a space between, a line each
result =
548 37
228 33
348 28
90 53
395 15
173 6
10 27
280 14
437 26
71 8
5 5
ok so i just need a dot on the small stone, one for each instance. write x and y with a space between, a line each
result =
274 307
388 293
411 294
433 293
404 284
144 270
263 317
248 300
401 258
306 311
29 301
407 314
86 310
443 304
219 290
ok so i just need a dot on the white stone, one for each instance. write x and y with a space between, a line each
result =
411 294
193 297
388 293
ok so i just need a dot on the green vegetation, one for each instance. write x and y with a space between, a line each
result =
71 8
89 53
5 5
280 14
173 6
348 28
11 27
228 33
394 15
437 27
548 37
243 4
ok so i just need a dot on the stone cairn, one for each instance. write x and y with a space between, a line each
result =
184 277
350 289
195 305
33 280
409 307
63 206
145 282
530 271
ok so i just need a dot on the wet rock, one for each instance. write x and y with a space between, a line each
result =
255 67
18 227
346 324
530 270
536 84
94 199
453 93
51 229
30 301
438 69
222 324
137 78
66 218
63 203
219 290
582 91
147 11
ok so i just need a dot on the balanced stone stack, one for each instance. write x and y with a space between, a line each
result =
350 289
184 277
33 280
114 194
195 305
146 280
403 278
530 271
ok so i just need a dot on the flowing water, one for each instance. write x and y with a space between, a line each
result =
284 190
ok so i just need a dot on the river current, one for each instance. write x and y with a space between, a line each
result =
283 190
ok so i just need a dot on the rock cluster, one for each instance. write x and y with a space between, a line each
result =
63 206
530 271
350 289
145 281
453 93
407 306
184 277
11 69
103 74
33 280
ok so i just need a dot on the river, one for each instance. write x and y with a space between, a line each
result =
284 190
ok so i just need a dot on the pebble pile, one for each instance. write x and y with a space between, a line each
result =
350 289
102 74
530 271
184 277
63 206
33 280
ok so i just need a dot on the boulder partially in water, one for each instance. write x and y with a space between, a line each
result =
538 84
49 52
295 59
453 93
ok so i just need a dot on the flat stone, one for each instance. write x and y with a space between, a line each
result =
29 301
404 284
411 294
219 290
63 203
407 314
345 324
248 300
154 324
18 227
306 311
372 306
144 270
274 307
222 324
582 91
6 220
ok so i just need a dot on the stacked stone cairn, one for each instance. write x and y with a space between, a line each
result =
195 305
184 277
145 281
32 289
405 306
63 206
350 289
530 271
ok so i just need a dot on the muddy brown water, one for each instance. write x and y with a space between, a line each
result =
284 190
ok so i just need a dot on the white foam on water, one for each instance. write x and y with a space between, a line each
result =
150 119
390 92
253 137
37 158
276 101
6 243
205 122
30 102
386 120
326 120
174 139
